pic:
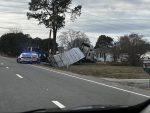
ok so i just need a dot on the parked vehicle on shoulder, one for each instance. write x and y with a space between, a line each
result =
28 57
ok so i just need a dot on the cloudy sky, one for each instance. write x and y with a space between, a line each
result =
113 18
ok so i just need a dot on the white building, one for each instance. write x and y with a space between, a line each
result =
145 56
108 53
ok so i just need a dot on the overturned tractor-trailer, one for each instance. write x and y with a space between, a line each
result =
84 54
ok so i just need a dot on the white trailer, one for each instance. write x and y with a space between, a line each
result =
67 58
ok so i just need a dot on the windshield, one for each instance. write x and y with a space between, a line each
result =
105 58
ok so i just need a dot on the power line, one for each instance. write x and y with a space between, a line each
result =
91 19
69 29
112 28
85 31
115 20
87 24
21 13
21 28
45 34
111 24
114 24
88 19
15 1
93 24
13 6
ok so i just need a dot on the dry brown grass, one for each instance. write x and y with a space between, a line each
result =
134 86
119 72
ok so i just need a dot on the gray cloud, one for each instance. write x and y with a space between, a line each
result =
108 17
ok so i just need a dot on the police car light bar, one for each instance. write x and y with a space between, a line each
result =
29 53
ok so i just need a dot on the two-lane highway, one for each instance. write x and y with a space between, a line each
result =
26 87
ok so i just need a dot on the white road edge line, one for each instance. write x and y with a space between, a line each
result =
7 67
58 104
7 58
19 76
94 82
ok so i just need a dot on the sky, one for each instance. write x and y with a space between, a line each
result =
113 18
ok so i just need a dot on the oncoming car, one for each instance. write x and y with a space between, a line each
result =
28 57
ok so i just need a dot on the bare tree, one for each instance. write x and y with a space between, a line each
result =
133 45
71 39
115 51
78 42
14 30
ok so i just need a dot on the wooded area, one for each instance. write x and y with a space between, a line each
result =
133 45
19 42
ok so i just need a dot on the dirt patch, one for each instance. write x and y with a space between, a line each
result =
136 85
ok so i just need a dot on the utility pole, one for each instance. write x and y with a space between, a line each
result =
30 42
49 41
61 51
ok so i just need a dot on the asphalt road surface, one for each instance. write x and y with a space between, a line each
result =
25 87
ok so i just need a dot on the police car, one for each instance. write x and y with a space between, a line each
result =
28 57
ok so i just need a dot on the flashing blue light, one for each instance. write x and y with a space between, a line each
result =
25 53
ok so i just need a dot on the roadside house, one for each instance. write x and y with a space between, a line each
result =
106 54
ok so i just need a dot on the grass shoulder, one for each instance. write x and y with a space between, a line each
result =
104 71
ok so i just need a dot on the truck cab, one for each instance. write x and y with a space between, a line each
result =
89 53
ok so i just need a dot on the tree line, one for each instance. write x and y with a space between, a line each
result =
132 46
128 46
17 42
